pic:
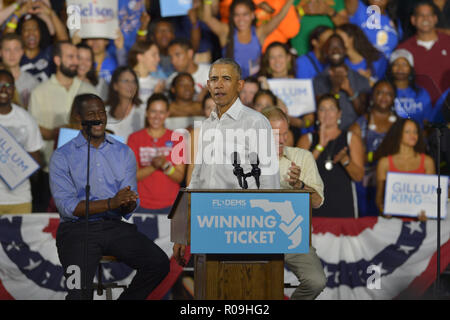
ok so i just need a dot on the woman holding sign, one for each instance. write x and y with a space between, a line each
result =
278 63
402 150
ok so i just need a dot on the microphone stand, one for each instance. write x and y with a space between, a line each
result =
87 191
437 289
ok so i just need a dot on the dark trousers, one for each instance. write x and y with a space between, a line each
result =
111 238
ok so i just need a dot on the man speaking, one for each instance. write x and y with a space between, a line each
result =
232 141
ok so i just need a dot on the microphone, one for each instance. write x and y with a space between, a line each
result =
256 171
238 171
91 122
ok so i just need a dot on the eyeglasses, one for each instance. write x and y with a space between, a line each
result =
6 85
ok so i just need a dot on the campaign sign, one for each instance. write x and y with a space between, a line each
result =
93 19
172 8
67 134
16 165
408 194
249 223
297 95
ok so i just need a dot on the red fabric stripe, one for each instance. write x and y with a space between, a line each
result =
342 226
4 295
421 283
175 271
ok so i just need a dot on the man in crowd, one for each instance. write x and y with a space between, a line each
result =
430 49
182 57
348 86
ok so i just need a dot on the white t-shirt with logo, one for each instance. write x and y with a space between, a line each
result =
22 126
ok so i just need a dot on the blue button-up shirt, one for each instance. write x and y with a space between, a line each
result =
112 168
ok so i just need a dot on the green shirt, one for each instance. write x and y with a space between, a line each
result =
308 23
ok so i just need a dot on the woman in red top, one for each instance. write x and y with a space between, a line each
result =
402 150
159 174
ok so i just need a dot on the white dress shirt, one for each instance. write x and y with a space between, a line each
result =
241 130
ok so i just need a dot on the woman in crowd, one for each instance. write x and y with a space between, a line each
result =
402 150
125 115
240 39
340 159
362 56
278 63
381 28
86 70
371 128
159 175
183 91
143 57
412 101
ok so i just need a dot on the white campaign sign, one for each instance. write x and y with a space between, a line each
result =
93 19
407 194
297 94
16 165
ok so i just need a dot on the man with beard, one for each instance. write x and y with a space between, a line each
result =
113 195
430 49
348 86
50 104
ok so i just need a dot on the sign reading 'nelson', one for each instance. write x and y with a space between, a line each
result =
249 223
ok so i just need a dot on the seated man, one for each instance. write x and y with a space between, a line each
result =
298 170
113 194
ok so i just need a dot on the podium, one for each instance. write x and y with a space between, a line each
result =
238 239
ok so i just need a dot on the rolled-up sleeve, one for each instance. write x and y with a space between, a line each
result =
62 187
130 176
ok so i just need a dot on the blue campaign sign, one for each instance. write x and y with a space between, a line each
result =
249 223
172 8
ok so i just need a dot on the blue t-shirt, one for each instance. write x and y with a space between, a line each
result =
41 66
410 104
308 66
437 115
378 67
385 37
129 13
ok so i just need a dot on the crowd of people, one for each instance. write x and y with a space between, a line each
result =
379 79
380 76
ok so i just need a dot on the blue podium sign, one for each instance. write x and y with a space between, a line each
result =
250 223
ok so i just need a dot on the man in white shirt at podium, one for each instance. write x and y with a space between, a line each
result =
233 136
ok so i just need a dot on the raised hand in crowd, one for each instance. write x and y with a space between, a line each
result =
145 21
119 41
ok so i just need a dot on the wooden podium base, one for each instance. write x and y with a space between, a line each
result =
239 277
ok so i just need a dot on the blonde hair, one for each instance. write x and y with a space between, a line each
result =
274 113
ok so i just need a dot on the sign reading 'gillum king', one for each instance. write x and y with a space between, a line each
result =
249 223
